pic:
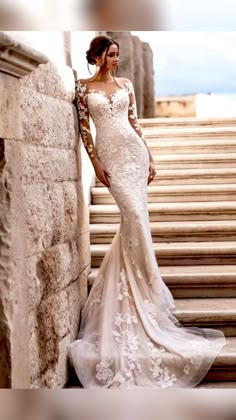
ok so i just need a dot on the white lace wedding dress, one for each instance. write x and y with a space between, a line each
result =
129 336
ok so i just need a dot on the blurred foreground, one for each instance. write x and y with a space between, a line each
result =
118 405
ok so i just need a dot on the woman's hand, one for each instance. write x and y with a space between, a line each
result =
101 173
152 172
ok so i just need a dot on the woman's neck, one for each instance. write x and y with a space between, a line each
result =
105 77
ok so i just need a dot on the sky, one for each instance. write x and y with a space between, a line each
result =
193 62
200 15
197 54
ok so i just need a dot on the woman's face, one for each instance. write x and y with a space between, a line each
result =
112 58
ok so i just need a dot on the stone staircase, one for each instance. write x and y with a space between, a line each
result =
192 211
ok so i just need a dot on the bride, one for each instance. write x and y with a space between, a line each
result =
129 336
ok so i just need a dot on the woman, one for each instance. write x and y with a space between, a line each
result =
129 336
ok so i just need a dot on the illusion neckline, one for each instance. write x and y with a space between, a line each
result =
103 93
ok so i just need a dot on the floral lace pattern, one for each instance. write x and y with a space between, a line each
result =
129 336
82 93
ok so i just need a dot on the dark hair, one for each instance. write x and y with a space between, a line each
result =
98 45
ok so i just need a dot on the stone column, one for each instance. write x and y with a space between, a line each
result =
15 62
138 74
148 91
136 63
127 64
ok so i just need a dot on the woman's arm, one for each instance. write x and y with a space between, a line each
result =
132 114
83 114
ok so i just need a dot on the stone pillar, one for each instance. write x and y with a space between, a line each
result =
136 63
148 92
127 64
138 74
15 62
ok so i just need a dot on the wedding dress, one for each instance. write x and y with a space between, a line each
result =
129 336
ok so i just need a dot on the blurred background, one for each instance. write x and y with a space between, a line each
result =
176 15
194 72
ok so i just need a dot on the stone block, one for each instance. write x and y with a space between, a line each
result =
52 80
53 315
54 269
44 216
13 303
56 375
70 211
35 287
49 323
10 100
41 164
51 271
74 302
74 262
47 121
83 209
84 251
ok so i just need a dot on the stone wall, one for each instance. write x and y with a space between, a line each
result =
176 106
136 63
44 222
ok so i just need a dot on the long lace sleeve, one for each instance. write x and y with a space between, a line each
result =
132 110
83 113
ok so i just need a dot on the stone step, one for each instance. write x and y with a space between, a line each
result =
176 193
164 147
191 133
222 373
160 212
188 176
224 366
181 253
207 161
217 384
219 313
195 281
184 231
185 122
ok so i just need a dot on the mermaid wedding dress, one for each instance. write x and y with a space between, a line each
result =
129 336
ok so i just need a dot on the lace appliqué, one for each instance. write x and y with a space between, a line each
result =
151 311
132 110
104 371
162 375
123 287
82 105
128 343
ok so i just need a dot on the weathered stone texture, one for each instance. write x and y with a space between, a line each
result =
44 247
14 335
46 164
53 325
52 81
47 121
10 100
5 285
49 323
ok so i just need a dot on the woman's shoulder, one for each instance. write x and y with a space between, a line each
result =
82 81
124 81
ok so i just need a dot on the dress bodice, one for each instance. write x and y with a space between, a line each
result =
110 114
111 110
